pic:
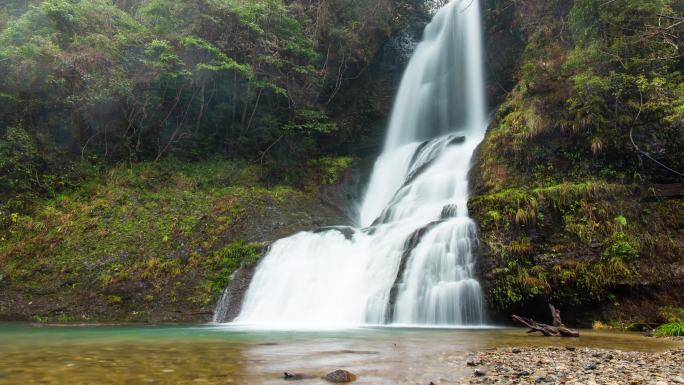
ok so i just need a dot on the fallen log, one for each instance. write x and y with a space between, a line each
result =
558 329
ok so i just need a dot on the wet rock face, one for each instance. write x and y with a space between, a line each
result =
340 376
345 195
230 304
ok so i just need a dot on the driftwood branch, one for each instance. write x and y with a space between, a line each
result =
557 330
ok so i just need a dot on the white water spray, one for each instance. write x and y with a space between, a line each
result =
412 263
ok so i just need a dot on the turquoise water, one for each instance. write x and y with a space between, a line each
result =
177 355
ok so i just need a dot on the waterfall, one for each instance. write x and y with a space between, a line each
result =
412 261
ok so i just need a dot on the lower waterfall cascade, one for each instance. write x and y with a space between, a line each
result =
411 260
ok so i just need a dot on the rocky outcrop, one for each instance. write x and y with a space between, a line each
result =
557 198
230 304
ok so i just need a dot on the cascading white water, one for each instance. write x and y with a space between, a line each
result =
412 261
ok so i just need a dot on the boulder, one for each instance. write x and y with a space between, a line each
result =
340 376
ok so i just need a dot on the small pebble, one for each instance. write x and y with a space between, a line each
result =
291 376
473 362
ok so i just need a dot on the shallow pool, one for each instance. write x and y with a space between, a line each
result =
177 355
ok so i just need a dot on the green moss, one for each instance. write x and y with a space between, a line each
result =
228 259
573 243
330 170
114 300
41 319
154 234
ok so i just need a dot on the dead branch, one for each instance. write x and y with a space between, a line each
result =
557 330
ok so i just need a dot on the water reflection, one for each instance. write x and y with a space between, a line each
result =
220 355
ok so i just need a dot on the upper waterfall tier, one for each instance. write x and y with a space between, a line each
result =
442 92
442 88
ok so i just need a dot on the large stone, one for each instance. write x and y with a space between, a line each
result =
340 376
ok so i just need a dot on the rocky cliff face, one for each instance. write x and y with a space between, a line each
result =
564 198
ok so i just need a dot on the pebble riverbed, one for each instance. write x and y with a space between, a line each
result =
575 366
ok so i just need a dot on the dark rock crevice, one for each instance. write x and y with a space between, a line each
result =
411 243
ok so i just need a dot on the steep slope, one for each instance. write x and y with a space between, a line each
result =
152 243
589 126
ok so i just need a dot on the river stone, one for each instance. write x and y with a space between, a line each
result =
340 376
678 380
292 376
480 373
473 362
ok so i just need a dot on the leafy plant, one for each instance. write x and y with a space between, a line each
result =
672 329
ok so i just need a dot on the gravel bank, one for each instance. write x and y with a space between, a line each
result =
576 366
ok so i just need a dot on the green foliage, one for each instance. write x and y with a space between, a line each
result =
672 329
672 314
332 168
228 259
20 163
25 173
151 234
619 246
310 122
560 165
592 100
102 82
41 319
626 75
579 248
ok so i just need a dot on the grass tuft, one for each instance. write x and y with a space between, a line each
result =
672 329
